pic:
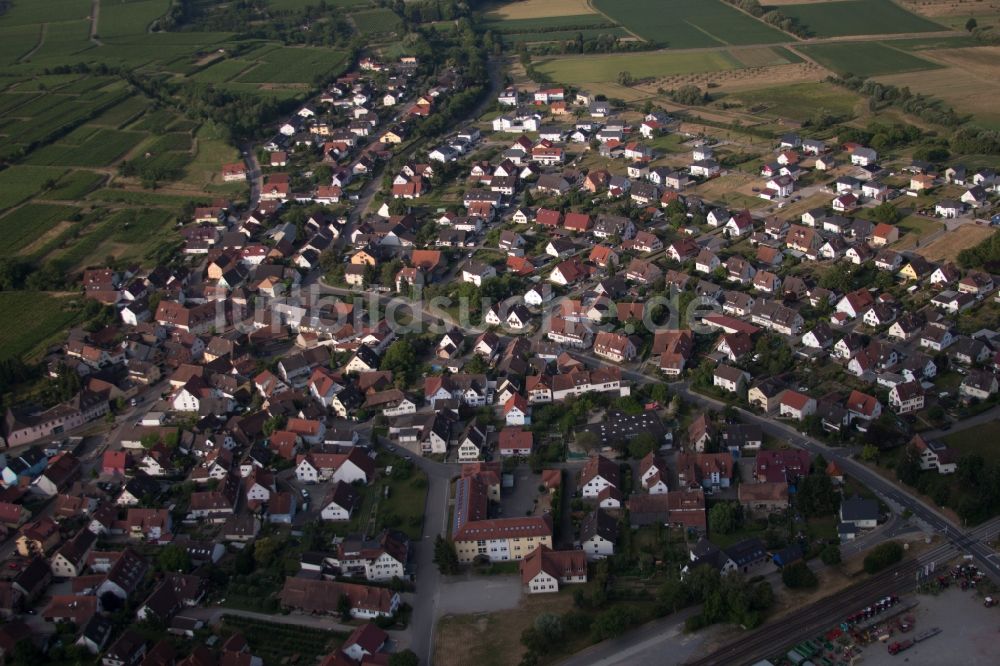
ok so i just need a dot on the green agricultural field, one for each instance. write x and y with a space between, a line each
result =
933 43
40 11
20 183
865 58
101 148
143 198
282 643
690 23
562 35
799 101
128 234
24 225
295 65
33 320
17 41
118 116
764 56
63 39
130 18
221 71
580 21
75 185
302 4
595 69
376 22
858 17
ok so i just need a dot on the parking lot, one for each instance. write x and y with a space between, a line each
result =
969 632
520 500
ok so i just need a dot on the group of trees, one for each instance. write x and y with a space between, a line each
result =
798 576
772 17
882 135
882 556
985 255
689 95
976 140
924 107
725 598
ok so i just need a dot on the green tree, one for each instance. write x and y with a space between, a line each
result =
344 607
445 556
265 551
401 359
406 657
642 444
830 554
798 576
174 558
869 453
587 440
971 24
724 518
882 556
887 213
908 468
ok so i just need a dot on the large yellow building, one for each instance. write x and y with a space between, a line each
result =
498 539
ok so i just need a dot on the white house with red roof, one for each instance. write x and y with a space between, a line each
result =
796 405
516 411
863 406
516 441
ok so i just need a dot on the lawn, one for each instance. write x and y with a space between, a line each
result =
19 183
33 320
404 508
799 101
914 227
278 643
376 22
212 153
591 69
689 23
22 226
865 58
858 17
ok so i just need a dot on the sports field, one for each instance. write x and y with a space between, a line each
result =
858 17
593 69
690 23
865 58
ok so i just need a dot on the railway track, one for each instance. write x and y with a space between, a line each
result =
822 615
